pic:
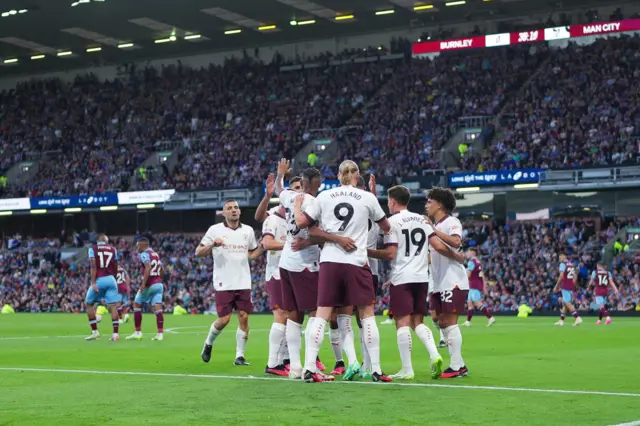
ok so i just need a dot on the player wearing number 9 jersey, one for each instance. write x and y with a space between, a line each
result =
345 277
104 264
151 290
567 282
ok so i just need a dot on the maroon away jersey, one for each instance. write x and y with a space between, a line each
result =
106 258
475 279
569 276
603 278
155 266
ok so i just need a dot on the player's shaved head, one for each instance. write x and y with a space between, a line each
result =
103 238
143 240
311 180
445 197
360 183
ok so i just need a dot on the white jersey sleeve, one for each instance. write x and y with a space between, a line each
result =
210 236
447 273
276 227
372 243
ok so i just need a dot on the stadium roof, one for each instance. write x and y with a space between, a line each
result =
48 35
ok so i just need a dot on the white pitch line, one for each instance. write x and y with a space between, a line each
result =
423 385
636 423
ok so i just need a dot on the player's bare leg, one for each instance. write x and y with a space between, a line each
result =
449 325
137 321
347 340
426 337
334 336
277 340
436 324
123 312
115 321
574 313
467 323
157 310
365 370
242 335
93 323
563 315
603 313
389 319
215 330
403 333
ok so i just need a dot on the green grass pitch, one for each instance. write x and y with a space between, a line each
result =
521 372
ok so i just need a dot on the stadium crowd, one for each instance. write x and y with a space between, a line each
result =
230 123
520 262
581 109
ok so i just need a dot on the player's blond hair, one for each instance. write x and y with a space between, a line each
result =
347 172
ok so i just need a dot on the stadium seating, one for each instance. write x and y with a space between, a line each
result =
520 260
581 110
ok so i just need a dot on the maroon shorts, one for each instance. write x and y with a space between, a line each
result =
449 301
123 289
409 298
299 290
343 284
274 290
227 301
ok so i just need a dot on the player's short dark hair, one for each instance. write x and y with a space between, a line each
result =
473 249
361 182
144 240
229 201
444 196
311 173
294 180
400 193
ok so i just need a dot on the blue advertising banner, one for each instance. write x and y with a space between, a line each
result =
74 201
326 184
501 177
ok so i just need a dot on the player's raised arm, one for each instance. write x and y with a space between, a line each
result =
261 211
284 168
376 214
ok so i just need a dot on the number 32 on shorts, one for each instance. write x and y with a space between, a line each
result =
446 296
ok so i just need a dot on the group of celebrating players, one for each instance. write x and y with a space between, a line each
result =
322 253
322 262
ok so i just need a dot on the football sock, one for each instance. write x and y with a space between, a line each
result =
426 337
404 346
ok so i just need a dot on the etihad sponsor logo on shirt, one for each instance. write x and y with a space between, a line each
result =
456 44
601 28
